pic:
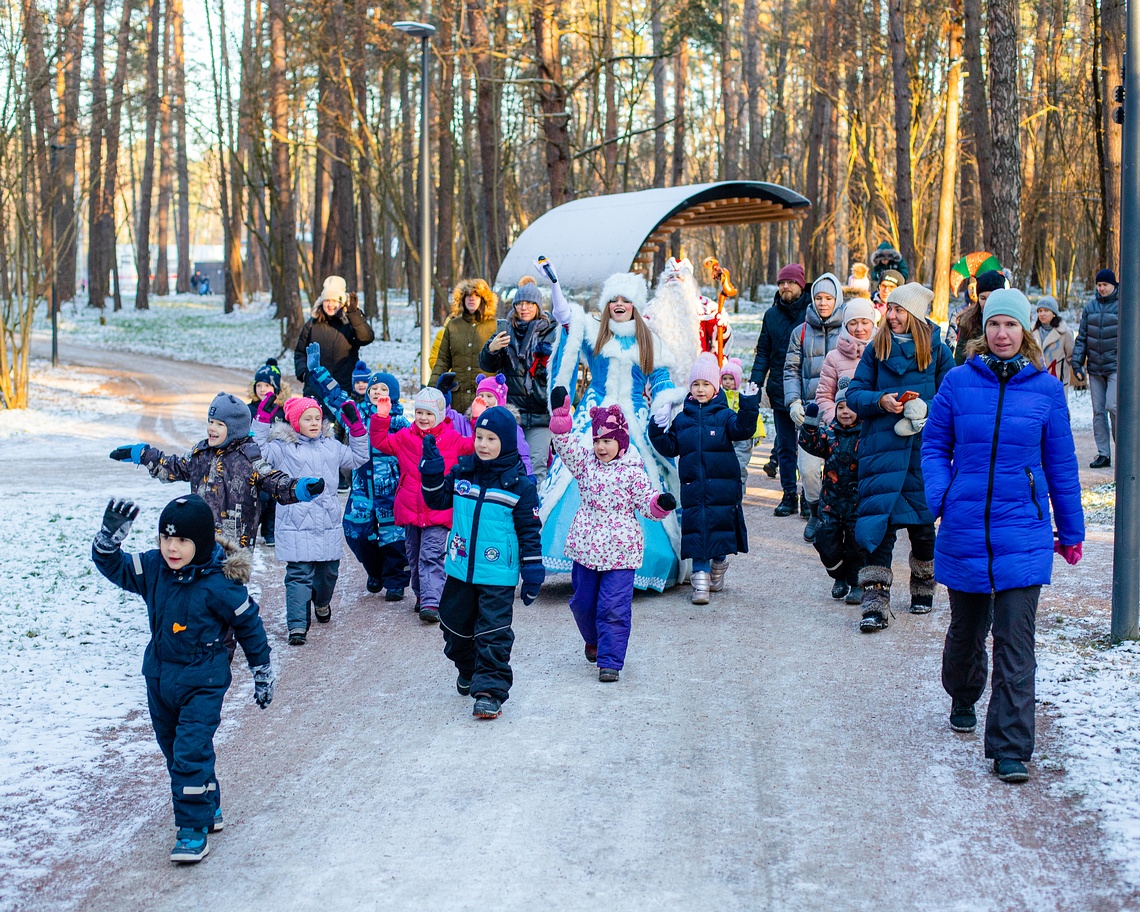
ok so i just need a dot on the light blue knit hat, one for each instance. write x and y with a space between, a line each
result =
1009 302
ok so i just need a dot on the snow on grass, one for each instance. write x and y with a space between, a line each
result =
1093 690
1099 502
64 399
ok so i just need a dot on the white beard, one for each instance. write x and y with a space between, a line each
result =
674 315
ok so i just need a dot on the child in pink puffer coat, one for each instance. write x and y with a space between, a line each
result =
605 540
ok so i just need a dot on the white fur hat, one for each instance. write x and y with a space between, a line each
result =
334 289
629 285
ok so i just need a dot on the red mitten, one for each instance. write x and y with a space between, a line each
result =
1071 553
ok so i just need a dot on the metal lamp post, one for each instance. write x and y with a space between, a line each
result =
423 31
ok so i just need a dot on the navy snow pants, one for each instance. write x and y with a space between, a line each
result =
785 448
185 718
603 609
477 634
840 553
387 563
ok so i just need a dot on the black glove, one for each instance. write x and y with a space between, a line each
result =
558 397
308 488
667 502
117 519
432 462
447 383
351 412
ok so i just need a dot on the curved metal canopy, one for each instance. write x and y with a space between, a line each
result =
590 239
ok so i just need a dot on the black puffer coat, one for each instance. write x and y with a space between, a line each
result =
524 363
1099 336
341 337
772 345
838 446
712 520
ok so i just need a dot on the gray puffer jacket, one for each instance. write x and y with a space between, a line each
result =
311 531
809 344
1099 335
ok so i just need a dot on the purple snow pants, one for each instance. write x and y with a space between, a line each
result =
603 604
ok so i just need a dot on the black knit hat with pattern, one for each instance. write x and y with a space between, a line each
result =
190 517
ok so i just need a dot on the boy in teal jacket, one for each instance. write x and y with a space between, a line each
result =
495 539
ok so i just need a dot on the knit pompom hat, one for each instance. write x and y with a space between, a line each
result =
335 289
733 367
496 385
269 373
360 373
431 400
915 299
841 389
528 291
610 422
705 368
296 407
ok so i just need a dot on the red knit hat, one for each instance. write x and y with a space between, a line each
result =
296 407
793 272
611 423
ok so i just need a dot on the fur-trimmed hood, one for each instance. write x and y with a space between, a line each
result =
489 307
237 565
283 431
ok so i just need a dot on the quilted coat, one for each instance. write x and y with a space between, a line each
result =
841 361
808 346
407 445
890 466
772 346
712 520
311 531
1057 347
1099 335
994 455
605 533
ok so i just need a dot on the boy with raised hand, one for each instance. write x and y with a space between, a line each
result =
194 589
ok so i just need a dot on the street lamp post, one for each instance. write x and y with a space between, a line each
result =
423 31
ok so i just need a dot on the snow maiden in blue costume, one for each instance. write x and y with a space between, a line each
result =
616 376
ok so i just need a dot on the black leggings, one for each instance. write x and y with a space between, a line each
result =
921 544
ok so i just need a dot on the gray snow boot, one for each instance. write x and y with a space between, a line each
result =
921 586
716 577
813 521
876 583
700 582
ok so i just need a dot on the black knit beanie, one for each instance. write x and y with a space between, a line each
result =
190 517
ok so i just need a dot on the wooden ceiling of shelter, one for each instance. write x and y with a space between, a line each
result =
737 210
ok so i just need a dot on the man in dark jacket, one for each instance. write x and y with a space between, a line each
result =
786 312
1094 352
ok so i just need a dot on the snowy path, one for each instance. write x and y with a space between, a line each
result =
757 754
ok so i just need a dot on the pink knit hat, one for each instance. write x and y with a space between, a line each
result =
496 385
734 367
296 407
610 422
705 368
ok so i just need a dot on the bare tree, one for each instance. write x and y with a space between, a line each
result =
904 197
949 165
165 161
181 163
289 301
1004 127
552 99
142 247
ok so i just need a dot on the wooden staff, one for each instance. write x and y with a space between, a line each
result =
725 291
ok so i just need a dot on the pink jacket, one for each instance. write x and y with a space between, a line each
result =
605 533
407 445
841 361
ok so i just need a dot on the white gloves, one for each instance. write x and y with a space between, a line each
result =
748 388
796 410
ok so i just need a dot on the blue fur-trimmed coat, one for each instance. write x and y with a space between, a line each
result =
891 489
702 436
993 457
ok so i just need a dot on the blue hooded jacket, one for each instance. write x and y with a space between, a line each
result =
994 455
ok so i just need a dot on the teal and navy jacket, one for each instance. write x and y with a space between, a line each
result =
495 535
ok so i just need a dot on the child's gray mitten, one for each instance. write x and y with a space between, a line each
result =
263 681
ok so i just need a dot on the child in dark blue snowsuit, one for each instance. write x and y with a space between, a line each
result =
194 590
838 446
495 538
703 436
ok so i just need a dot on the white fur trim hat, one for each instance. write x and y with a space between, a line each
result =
628 285
915 299
334 289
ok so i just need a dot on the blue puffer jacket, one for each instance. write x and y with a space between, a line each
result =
890 466
712 520
994 454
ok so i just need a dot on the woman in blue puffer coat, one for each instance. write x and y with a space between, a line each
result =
893 386
998 449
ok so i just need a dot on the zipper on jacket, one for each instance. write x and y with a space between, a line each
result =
990 486
1033 492
474 534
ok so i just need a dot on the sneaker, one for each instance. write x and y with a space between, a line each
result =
608 675
872 621
394 595
788 505
219 824
1011 771
429 615
297 637
1101 462
486 707
716 575
855 595
323 613
190 845
591 653
463 685
962 717
770 468
841 589
374 585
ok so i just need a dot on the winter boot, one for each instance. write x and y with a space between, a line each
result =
219 823
700 582
394 595
962 717
839 589
463 685
374 584
921 586
608 675
854 594
787 506
805 508
190 845
812 523
716 577
429 615
323 613
1011 771
876 582
297 637
770 467
486 707
591 653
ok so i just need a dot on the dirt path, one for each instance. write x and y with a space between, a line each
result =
758 753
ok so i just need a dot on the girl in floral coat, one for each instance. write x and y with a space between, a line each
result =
605 540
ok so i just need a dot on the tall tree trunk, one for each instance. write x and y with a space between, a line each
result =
817 134
1112 26
729 164
142 240
39 88
320 179
235 284
289 303
943 246
385 202
1004 130
165 162
445 205
978 121
680 81
552 99
904 196
181 163
96 290
231 291
609 134
660 152
364 159
485 124
70 21
342 203
779 140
